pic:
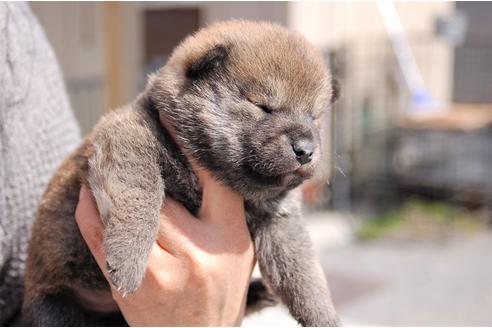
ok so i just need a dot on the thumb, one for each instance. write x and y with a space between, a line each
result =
220 204
91 226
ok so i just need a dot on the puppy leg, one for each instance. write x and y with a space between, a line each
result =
288 266
63 309
259 297
125 178
55 310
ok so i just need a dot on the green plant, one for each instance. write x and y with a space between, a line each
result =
419 218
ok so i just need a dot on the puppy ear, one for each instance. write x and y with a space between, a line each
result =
208 62
335 90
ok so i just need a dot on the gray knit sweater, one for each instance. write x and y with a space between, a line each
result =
37 130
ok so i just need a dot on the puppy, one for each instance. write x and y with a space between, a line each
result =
246 102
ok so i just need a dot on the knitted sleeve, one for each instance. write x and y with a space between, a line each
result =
37 130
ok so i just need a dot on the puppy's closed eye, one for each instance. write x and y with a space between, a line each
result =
265 108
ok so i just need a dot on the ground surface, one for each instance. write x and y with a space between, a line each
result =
400 283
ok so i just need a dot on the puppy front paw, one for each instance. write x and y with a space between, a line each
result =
312 317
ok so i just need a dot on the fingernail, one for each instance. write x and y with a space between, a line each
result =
83 192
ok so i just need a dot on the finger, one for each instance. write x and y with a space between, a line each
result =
200 172
174 210
91 226
176 227
220 204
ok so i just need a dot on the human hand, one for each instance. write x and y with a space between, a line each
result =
198 270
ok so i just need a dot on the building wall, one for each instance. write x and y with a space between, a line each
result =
99 45
473 83
255 10
332 24
74 30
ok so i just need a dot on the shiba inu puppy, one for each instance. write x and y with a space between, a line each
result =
245 100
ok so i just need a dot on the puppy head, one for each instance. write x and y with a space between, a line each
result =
246 100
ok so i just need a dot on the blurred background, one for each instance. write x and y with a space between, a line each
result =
400 211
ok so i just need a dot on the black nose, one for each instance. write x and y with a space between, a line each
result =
304 150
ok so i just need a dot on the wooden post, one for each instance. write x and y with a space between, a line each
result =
113 21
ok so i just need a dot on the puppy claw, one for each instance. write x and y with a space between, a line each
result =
126 278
